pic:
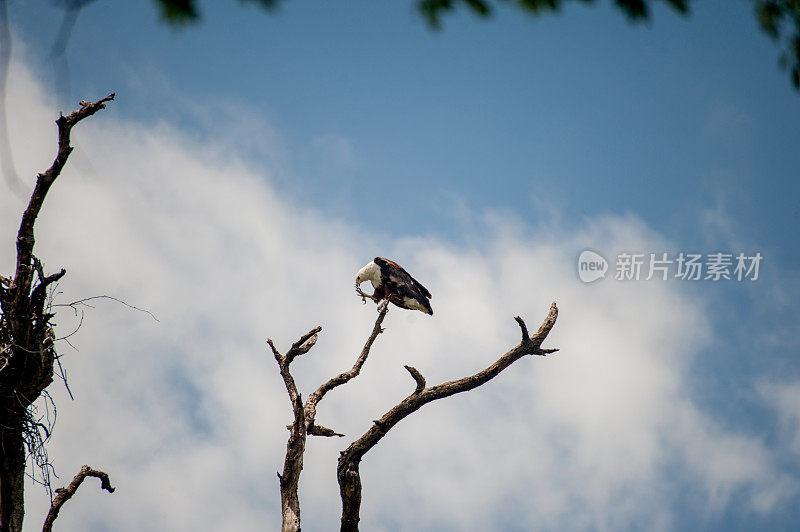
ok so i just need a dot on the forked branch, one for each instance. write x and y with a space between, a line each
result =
305 415
25 238
295 447
348 472
28 355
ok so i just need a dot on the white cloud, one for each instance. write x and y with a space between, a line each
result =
188 414
784 397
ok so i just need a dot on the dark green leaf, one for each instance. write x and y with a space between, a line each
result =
635 9
267 5
178 12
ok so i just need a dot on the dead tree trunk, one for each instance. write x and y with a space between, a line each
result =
348 472
12 475
27 353
305 415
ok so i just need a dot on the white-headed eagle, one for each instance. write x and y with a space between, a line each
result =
392 282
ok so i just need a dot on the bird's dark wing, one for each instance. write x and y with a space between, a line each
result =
399 276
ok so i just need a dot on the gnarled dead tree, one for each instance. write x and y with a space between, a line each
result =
27 352
305 415
348 467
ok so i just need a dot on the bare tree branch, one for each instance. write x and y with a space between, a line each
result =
24 326
523 328
295 447
304 416
39 294
65 494
303 345
25 238
420 380
314 399
319 430
348 472
83 301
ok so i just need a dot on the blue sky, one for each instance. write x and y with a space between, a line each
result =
569 131
583 107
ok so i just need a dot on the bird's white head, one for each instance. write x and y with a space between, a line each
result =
370 272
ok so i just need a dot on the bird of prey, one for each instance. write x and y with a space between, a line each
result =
393 283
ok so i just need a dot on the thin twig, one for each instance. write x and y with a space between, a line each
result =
314 399
63 374
112 298
74 331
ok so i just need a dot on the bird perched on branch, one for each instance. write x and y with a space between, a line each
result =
393 283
